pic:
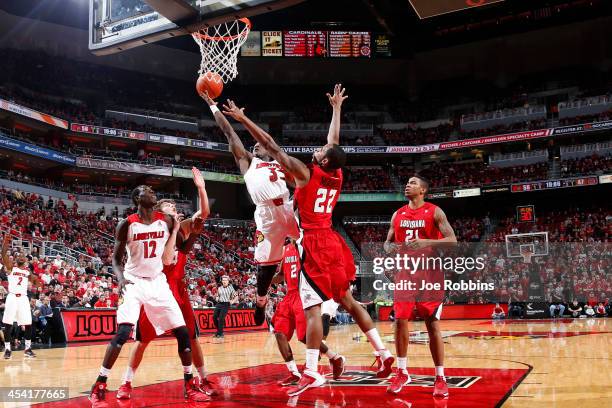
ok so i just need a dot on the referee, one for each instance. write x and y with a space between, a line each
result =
226 295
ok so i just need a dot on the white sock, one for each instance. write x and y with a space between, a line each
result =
7 345
129 374
376 342
402 363
28 344
440 372
104 372
292 367
187 370
202 372
312 359
331 354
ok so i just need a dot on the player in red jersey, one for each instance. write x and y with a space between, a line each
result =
149 238
328 266
416 230
175 275
289 317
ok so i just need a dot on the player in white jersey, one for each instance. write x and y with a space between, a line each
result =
266 182
150 238
17 306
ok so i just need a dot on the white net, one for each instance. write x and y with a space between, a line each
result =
219 46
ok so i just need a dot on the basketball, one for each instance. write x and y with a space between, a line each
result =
210 82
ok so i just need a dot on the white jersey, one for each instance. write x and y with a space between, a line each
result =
18 281
265 181
145 246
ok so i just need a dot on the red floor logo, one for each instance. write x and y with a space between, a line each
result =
368 378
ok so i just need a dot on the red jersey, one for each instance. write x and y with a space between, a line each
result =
316 200
412 224
175 272
291 267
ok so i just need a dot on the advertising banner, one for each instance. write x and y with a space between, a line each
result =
122 166
208 175
19 146
101 324
33 114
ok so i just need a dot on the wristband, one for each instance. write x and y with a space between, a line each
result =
214 109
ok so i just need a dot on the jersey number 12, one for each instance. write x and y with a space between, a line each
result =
149 249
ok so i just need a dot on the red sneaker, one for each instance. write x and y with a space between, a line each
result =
97 397
310 379
193 392
125 391
208 387
377 362
385 369
401 378
440 387
337 365
292 379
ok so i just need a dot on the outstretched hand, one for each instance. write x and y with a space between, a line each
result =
208 99
198 179
178 218
338 97
232 110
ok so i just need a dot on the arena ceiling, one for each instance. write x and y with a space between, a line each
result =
395 17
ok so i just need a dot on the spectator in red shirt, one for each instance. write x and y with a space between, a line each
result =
102 302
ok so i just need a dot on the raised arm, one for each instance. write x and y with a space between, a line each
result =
241 155
298 170
335 100
171 244
121 237
6 259
198 180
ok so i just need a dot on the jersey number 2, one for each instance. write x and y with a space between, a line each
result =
20 280
149 249
293 271
324 195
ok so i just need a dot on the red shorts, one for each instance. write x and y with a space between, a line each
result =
328 267
406 310
289 317
144 329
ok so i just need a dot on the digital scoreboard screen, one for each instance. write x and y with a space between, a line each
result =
305 43
346 44
525 213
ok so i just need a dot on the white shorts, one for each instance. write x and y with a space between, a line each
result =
329 307
274 224
159 304
17 309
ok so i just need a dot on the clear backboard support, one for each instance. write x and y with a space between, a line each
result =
118 25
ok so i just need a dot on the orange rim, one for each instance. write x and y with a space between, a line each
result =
207 37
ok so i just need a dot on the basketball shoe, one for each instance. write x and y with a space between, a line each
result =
125 391
440 387
194 393
292 379
97 397
337 365
385 367
7 354
29 353
208 387
310 379
401 379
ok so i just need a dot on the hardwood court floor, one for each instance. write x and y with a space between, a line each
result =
561 363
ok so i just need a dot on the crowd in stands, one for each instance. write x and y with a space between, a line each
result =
594 164
475 173
367 179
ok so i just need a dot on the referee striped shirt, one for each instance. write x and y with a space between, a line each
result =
226 293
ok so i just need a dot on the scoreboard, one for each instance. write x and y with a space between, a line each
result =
315 44
305 43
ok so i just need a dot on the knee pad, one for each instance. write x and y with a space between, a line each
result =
264 278
182 339
122 336
326 320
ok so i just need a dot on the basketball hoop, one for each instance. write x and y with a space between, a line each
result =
219 46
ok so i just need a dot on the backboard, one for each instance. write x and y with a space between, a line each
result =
534 242
117 25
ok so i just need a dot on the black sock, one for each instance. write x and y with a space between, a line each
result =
187 376
102 378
